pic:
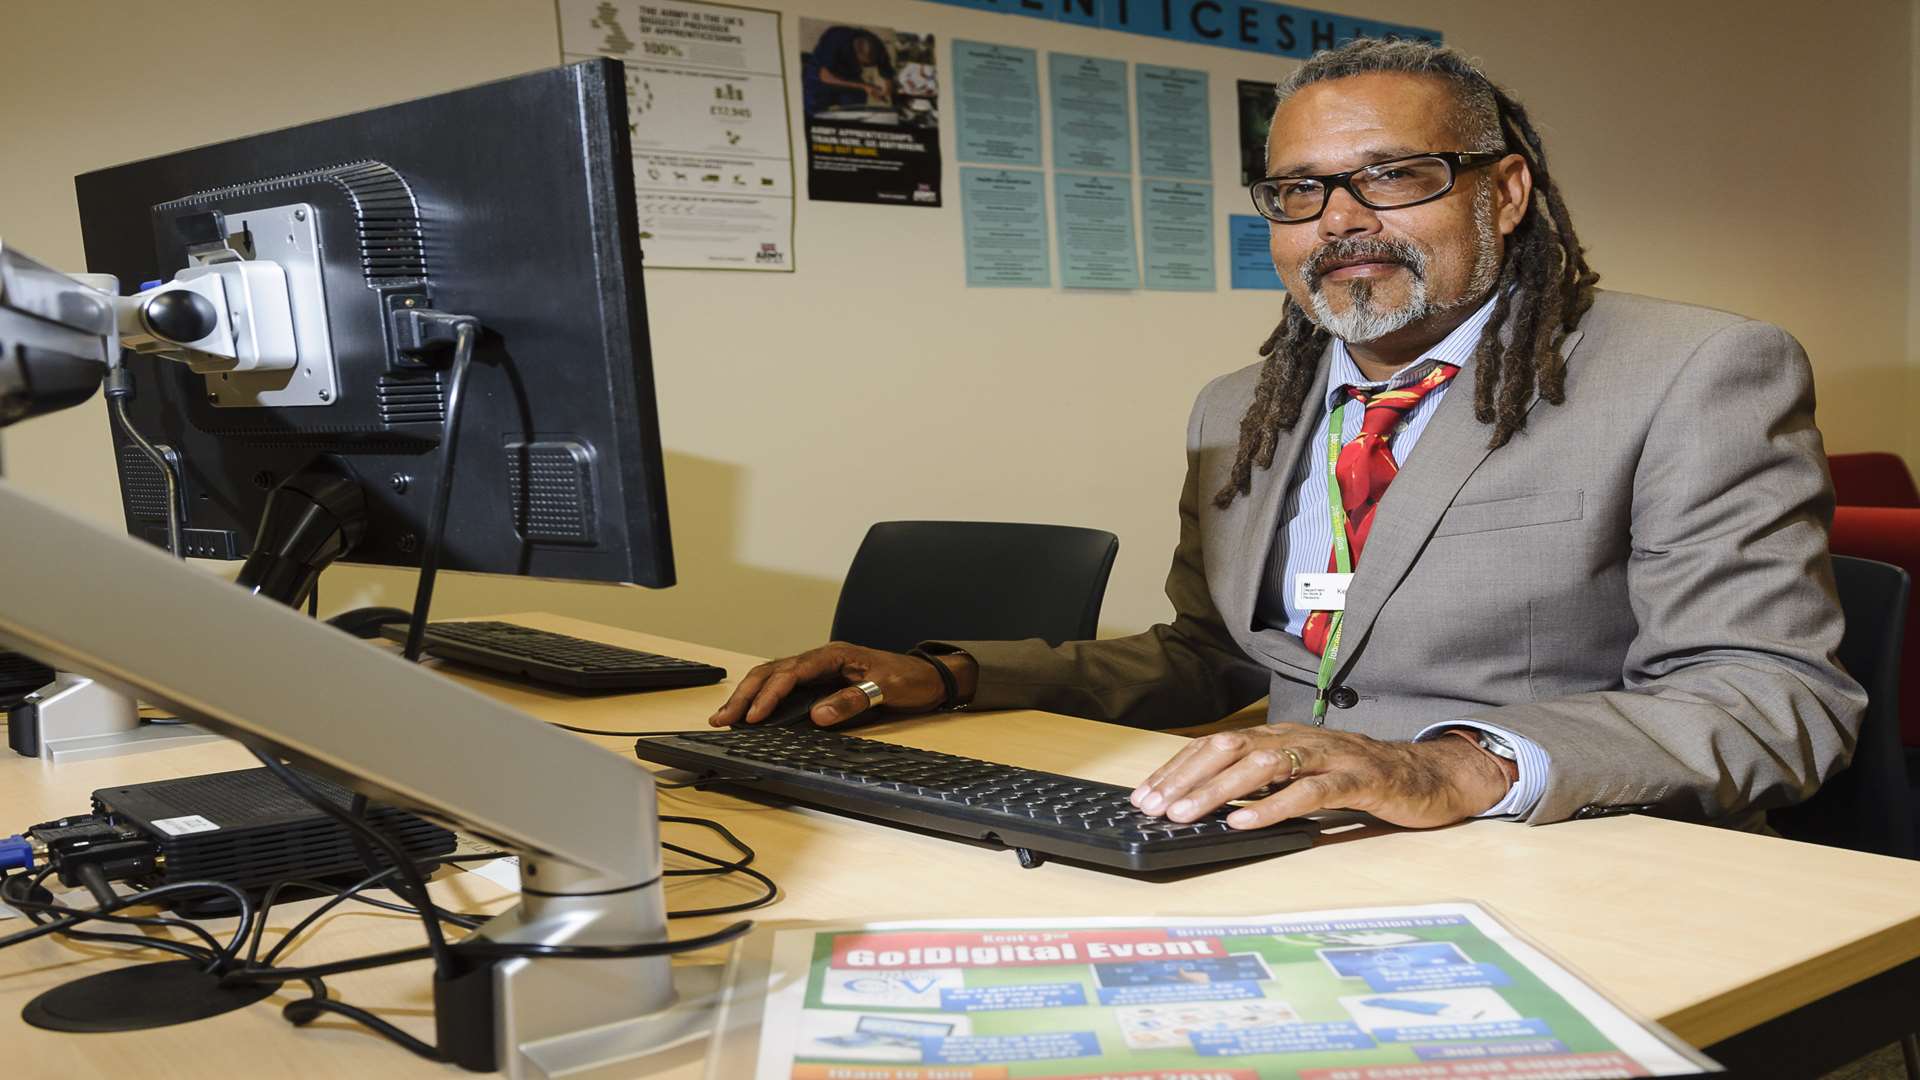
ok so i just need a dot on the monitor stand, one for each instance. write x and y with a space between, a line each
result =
74 718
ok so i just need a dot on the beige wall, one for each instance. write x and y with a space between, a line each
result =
1740 154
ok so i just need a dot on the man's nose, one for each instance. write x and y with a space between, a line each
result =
1345 216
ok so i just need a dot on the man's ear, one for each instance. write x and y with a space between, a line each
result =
1514 182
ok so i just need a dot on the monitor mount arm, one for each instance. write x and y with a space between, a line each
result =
312 518
86 600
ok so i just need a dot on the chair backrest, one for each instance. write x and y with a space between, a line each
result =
1868 806
1875 479
973 580
1889 534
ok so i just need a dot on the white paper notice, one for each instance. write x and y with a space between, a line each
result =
1321 592
707 116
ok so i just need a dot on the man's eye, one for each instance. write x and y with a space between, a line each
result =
1391 174
1295 188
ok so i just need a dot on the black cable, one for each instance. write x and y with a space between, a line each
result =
34 910
313 600
637 734
95 879
318 913
490 950
222 956
463 337
429 917
771 893
307 1010
747 854
719 866
451 918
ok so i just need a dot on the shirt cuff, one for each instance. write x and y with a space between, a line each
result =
1531 783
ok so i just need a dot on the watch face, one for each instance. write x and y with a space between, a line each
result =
1494 744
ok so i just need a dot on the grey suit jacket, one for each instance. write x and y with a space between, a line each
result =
1638 581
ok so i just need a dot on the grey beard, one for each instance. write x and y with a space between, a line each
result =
1365 319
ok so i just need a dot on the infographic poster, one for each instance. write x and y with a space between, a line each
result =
872 104
707 118
1429 991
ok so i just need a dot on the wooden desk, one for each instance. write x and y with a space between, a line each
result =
1712 933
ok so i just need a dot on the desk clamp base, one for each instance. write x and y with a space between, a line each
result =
74 718
539 1019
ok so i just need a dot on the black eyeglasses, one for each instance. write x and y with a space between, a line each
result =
1387 185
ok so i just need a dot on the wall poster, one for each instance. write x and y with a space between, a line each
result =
1257 100
872 97
707 117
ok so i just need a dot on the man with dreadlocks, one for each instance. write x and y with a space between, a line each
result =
1585 532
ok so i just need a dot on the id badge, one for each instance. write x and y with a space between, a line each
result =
1321 592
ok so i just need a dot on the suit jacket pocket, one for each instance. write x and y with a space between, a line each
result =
1542 509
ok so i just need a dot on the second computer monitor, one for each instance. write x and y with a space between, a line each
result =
510 202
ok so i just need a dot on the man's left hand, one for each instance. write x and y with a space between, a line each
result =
1419 785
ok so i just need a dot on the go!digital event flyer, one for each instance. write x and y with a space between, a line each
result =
1411 993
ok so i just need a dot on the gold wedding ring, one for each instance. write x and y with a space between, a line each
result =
1294 759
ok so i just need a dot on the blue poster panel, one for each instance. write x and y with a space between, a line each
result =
1248 254
1176 227
1005 213
1090 127
996 95
1176 137
1095 215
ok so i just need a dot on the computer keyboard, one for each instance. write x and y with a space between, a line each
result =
542 656
1037 813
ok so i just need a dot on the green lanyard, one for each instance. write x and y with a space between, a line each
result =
1342 561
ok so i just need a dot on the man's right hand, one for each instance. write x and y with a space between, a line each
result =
907 684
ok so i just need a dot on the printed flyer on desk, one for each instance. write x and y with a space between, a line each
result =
1406 993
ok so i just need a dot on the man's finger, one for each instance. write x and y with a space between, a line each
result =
1204 757
742 696
839 707
777 686
1153 780
1308 794
1251 773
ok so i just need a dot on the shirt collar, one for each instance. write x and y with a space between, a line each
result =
1456 349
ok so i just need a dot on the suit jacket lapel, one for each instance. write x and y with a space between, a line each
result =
1452 446
1266 499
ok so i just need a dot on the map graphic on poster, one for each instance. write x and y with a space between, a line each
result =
872 103
1429 991
707 117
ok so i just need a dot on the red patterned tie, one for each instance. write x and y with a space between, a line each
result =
1365 468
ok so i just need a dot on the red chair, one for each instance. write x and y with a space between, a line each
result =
1878 517
1872 480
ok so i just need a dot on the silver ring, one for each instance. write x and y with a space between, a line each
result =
1294 759
875 698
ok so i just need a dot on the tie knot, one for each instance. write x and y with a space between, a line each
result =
1388 405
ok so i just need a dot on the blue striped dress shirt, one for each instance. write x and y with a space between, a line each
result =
1305 542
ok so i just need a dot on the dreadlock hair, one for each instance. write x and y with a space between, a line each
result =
1544 286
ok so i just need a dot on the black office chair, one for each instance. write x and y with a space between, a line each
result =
973 580
1868 806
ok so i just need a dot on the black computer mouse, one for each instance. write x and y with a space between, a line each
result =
366 622
794 709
